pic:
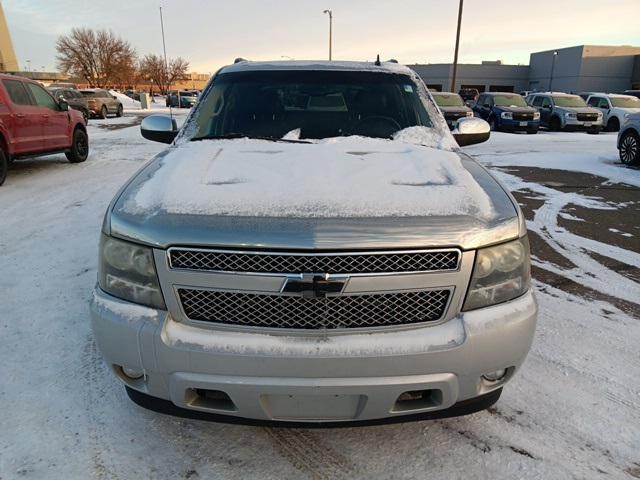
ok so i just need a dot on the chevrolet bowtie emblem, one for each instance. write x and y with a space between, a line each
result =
313 285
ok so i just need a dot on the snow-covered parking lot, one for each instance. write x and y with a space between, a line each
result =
572 412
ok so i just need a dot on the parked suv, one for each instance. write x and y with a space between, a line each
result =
615 108
32 122
314 247
74 98
452 107
101 103
629 140
563 111
508 112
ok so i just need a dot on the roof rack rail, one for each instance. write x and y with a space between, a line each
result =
392 60
240 59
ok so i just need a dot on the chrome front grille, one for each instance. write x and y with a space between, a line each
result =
295 312
294 263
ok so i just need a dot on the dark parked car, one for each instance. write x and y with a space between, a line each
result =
132 94
507 111
452 107
101 103
563 111
32 122
73 97
635 93
182 99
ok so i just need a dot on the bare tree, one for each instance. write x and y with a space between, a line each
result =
100 57
152 67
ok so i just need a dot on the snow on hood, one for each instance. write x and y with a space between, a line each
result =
338 177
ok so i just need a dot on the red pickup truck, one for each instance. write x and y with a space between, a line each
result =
33 123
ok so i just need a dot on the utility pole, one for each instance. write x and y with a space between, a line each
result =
455 54
330 12
553 66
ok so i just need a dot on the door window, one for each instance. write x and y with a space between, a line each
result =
546 102
17 93
43 99
604 103
537 102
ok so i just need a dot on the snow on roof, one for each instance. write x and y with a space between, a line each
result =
336 177
389 67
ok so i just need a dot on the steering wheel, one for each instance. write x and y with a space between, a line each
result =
376 126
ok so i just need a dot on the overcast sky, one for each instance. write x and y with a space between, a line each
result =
212 33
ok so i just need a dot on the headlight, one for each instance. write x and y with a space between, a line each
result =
570 115
536 115
127 271
500 273
507 115
469 114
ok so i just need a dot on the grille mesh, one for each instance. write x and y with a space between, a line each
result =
586 117
346 311
286 263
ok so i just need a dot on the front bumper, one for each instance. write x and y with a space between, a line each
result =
572 124
518 125
318 378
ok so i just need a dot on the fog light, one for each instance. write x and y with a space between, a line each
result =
495 376
132 373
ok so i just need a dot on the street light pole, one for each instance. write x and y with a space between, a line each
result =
553 65
330 12
455 54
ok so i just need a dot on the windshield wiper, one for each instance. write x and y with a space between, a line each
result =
231 136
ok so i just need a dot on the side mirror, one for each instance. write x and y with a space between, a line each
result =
159 128
64 106
471 130
114 97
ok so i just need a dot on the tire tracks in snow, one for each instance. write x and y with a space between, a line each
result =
94 394
304 451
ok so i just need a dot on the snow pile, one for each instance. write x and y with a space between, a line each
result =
127 102
338 177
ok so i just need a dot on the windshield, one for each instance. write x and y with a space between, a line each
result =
509 101
448 100
569 101
625 102
315 104
188 94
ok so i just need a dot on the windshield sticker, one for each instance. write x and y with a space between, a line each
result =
408 88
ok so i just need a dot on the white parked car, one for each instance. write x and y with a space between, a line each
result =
615 108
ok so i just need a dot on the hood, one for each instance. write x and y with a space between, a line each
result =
347 192
579 109
517 109
462 109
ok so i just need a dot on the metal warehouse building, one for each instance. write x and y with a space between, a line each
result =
572 69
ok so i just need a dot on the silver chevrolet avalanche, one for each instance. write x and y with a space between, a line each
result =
314 246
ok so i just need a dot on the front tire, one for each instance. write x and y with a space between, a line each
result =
4 166
613 125
630 148
493 125
103 112
79 148
119 112
555 125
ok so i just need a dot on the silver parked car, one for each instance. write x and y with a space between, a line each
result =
314 246
563 111
629 140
